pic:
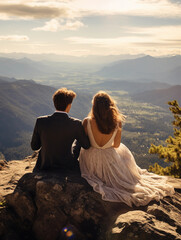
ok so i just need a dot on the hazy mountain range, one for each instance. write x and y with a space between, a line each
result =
90 59
130 87
146 69
142 69
160 97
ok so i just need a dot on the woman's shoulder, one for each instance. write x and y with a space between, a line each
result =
85 121
119 124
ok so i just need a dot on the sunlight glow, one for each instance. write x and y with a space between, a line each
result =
90 27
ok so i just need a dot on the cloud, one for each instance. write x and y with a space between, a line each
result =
54 25
159 8
16 38
70 25
39 9
175 1
154 41
51 26
71 9
97 41
132 35
37 12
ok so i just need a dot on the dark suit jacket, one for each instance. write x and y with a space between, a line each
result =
54 136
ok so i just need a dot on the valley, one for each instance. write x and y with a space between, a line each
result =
142 99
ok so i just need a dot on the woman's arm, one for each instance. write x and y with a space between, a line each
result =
117 139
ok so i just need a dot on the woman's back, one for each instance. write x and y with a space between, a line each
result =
113 172
98 139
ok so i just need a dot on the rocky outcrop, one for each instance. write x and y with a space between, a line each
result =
3 164
62 205
12 171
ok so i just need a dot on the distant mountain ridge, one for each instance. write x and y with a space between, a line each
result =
89 59
19 68
142 69
146 68
160 97
131 87
29 69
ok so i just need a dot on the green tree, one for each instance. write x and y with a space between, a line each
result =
171 153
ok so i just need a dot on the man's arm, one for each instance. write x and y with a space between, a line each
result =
83 138
81 141
35 141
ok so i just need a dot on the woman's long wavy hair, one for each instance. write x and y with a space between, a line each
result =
105 112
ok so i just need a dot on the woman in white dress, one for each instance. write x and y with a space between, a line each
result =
109 166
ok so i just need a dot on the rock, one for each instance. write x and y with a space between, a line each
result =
62 205
12 172
46 204
137 224
3 164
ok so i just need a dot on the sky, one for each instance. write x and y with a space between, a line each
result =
91 27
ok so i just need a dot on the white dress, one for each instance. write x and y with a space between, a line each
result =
113 173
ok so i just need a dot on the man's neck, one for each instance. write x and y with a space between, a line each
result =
57 111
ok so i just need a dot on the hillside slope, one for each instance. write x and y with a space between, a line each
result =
160 97
21 102
146 69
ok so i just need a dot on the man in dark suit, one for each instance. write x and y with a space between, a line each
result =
55 134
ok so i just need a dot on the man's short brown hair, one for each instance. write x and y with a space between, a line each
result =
62 98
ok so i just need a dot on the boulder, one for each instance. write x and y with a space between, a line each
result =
3 164
62 205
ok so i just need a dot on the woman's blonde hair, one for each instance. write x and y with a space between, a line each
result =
105 112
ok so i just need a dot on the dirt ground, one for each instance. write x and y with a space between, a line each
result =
12 172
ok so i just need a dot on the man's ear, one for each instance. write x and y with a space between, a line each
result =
68 108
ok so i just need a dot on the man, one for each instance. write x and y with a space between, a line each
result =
55 134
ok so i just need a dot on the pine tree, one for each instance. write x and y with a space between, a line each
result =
171 153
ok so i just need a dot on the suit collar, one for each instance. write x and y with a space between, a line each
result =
61 112
61 115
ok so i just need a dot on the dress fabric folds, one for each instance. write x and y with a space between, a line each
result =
114 174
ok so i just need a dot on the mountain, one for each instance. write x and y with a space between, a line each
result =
30 69
175 75
160 97
130 87
21 102
20 68
7 79
144 69
90 59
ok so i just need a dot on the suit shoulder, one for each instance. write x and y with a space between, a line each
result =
43 118
75 120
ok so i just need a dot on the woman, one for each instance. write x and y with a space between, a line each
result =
108 166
